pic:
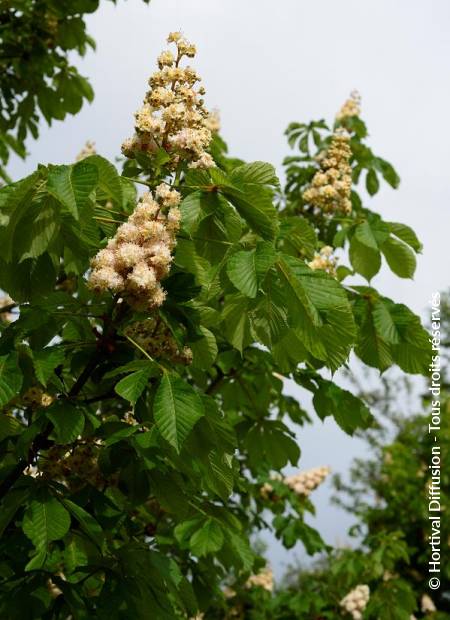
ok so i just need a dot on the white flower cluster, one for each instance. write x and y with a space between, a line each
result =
86 151
351 107
427 605
324 260
302 483
331 186
356 601
139 256
264 579
155 337
173 115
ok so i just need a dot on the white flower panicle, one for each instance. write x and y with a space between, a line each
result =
331 186
173 115
264 579
140 254
302 483
427 605
324 260
355 602
156 339
351 107
87 150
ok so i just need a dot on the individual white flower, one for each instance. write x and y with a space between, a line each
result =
129 254
106 278
205 161
143 276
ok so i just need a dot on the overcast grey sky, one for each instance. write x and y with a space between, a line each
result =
265 63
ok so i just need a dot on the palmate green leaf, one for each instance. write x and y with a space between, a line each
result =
88 524
14 202
254 203
372 182
45 361
10 378
132 386
406 234
72 185
400 257
364 259
219 474
11 504
349 411
176 408
208 539
240 546
298 236
9 426
68 421
235 321
247 269
109 183
270 445
204 350
37 229
44 521
257 172
268 318
29 280
390 333
194 208
318 310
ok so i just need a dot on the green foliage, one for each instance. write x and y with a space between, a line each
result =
131 476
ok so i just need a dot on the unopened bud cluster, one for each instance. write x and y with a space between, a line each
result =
140 254
264 579
324 260
36 397
355 602
87 150
351 107
157 340
331 186
173 116
74 467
